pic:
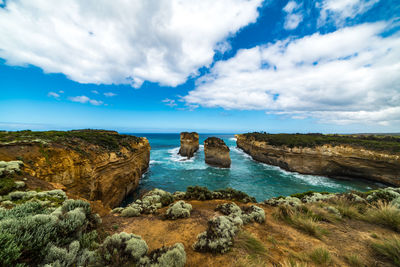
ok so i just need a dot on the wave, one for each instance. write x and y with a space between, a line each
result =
152 162
174 156
239 151
233 139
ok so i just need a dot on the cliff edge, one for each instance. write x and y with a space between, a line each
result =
342 157
92 164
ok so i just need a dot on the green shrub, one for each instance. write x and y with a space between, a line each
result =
7 184
130 212
198 193
89 240
121 248
178 210
354 260
252 213
166 256
389 249
10 251
218 238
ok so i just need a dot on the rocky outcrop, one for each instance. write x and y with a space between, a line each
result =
189 144
342 161
95 165
216 152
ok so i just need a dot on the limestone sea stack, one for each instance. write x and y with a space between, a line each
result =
189 144
216 152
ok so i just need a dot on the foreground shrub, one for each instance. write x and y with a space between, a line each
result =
178 210
389 249
218 238
166 256
121 248
6 185
10 251
202 193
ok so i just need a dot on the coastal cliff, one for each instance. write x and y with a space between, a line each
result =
333 156
216 152
189 144
92 164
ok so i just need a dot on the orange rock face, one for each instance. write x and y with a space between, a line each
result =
189 144
336 161
84 168
216 152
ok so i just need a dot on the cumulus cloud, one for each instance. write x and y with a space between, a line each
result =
84 99
338 11
120 42
95 92
53 94
293 15
347 76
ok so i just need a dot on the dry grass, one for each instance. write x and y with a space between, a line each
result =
388 249
354 260
321 256
384 214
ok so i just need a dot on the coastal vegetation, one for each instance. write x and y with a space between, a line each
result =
390 143
109 140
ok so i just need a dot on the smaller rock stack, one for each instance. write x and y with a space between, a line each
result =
217 152
189 144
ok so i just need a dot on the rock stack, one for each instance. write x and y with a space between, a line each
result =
216 152
189 144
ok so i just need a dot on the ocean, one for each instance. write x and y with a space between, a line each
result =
171 172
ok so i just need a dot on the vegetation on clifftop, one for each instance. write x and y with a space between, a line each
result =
388 143
109 140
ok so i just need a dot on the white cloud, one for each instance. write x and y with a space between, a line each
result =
84 99
120 42
61 92
110 94
337 11
293 15
169 102
52 94
95 92
348 76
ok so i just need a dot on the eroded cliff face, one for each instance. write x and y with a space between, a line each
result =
336 161
87 170
216 152
189 144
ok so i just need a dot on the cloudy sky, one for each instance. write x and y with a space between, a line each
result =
210 66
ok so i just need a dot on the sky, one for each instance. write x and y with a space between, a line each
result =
227 66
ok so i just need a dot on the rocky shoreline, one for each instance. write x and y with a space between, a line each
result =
338 160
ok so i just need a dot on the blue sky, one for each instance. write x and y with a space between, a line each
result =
231 66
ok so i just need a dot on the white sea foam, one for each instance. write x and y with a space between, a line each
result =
233 139
174 156
239 151
152 162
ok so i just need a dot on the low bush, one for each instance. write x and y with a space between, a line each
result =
7 184
178 210
166 256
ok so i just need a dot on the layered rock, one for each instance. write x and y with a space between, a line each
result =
189 144
216 152
95 165
342 161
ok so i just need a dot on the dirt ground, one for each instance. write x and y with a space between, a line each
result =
282 241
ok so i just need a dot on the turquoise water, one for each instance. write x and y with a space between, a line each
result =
171 172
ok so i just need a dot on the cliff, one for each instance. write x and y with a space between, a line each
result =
95 165
189 144
216 152
336 157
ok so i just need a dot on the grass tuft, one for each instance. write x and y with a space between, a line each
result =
253 247
321 256
385 215
388 249
354 260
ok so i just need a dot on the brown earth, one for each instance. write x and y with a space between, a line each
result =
335 161
281 240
